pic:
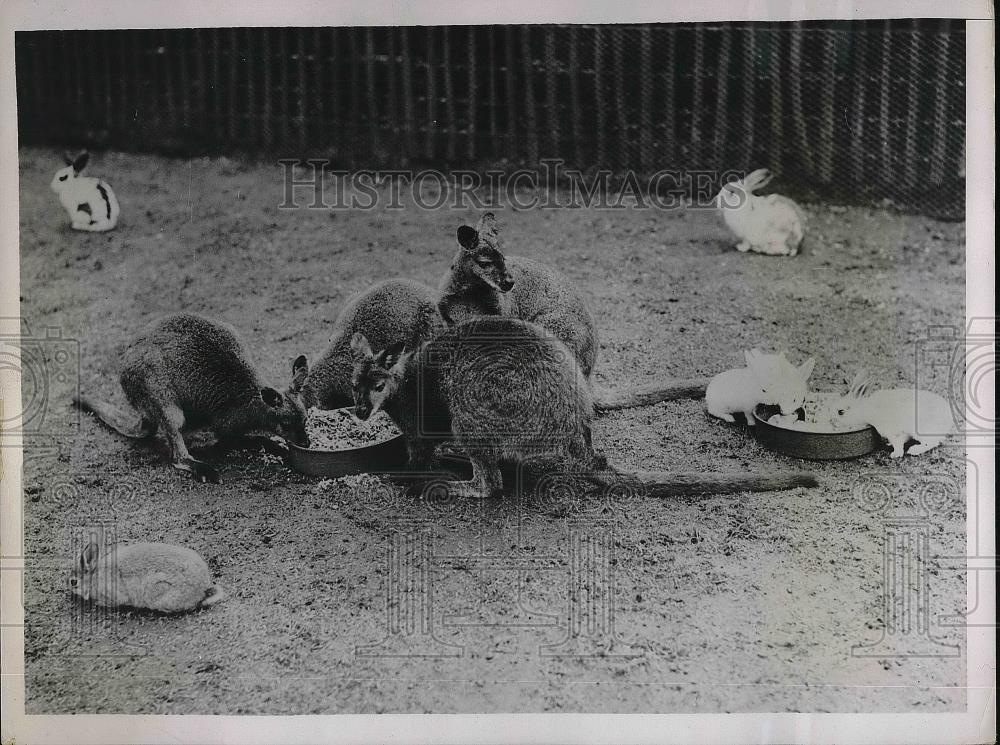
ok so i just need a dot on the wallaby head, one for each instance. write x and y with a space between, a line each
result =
376 376
480 258
284 413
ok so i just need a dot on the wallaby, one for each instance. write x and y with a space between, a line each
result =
184 372
505 391
389 312
482 281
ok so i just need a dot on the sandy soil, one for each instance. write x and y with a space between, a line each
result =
730 603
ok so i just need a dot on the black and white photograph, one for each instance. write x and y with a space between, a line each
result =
476 363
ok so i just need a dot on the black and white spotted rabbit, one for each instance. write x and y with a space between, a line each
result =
89 201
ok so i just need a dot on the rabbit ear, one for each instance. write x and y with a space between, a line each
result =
758 179
860 380
752 355
88 558
81 161
806 368
862 384
67 158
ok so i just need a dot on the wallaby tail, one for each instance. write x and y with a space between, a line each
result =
670 484
122 422
647 395
212 596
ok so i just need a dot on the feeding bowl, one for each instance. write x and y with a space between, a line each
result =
810 445
383 456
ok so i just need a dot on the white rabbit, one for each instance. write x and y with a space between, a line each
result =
151 576
899 415
90 202
769 225
767 379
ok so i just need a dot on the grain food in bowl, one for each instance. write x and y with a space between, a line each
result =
819 416
339 429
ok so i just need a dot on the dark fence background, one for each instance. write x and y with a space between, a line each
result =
864 111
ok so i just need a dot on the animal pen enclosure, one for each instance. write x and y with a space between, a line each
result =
850 110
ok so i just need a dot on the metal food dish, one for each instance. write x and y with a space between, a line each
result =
386 457
380 457
813 445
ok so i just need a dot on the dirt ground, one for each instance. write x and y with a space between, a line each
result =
747 602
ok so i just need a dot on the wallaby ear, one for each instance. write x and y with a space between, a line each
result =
271 397
81 161
467 237
403 359
389 356
88 557
487 224
360 346
300 371
806 368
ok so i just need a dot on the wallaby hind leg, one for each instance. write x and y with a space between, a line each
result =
488 479
582 451
486 482
171 422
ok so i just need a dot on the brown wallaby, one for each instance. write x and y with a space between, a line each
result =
506 391
482 281
184 372
390 312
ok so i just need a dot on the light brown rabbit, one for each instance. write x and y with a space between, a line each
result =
149 576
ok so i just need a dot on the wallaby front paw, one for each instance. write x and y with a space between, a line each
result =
271 447
201 472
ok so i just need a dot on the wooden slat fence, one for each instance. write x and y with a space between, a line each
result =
844 108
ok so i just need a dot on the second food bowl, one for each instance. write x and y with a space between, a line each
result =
837 445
